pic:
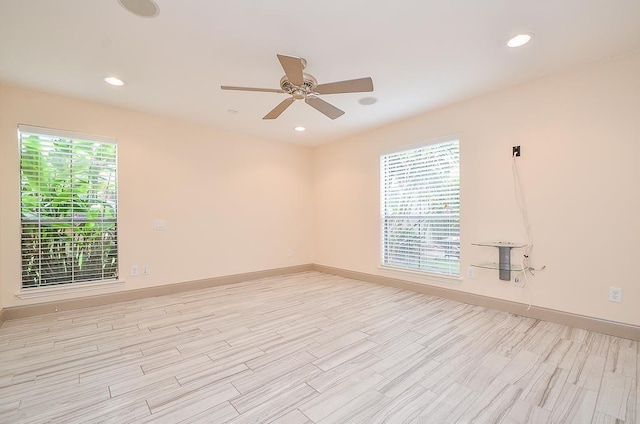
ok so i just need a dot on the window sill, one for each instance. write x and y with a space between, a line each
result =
430 276
36 292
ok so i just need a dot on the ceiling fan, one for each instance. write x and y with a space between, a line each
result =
301 85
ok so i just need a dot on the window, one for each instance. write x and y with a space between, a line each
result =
68 188
420 195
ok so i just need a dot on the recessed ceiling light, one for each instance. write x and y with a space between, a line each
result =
367 101
114 81
519 40
299 129
144 8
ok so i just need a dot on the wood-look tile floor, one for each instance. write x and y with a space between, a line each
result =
310 348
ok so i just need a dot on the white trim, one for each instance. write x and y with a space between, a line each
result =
36 292
427 276
73 135
419 144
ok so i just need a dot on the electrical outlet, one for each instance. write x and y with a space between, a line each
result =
159 225
515 151
615 294
289 252
145 270
134 270
471 272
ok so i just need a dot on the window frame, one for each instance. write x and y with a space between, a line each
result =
430 273
76 283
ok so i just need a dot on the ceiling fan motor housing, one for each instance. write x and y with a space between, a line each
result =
299 92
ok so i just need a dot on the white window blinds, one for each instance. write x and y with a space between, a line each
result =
420 195
68 187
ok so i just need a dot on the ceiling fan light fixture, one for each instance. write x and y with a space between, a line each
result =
300 129
519 40
116 82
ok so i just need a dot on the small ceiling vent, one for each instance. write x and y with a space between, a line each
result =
143 8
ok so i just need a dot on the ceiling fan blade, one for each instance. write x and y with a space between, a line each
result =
279 109
359 85
293 68
320 105
265 90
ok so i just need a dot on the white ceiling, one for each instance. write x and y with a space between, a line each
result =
421 54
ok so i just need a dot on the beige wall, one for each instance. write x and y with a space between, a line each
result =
232 204
580 138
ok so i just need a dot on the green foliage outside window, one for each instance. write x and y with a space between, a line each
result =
68 210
